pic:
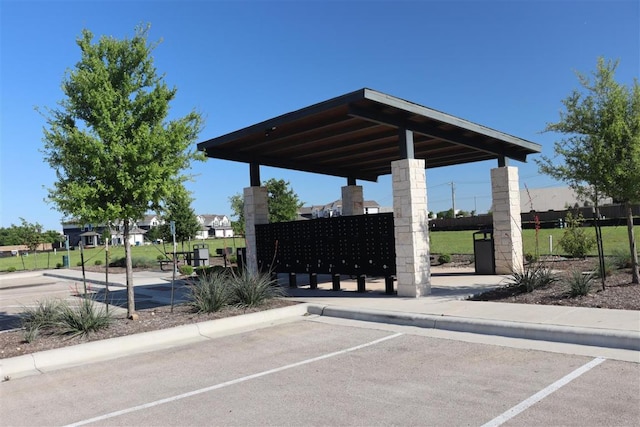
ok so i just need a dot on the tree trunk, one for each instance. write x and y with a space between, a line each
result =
131 303
632 245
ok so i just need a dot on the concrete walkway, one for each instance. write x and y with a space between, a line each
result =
446 309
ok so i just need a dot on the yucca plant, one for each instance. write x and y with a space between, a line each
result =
533 276
210 293
253 289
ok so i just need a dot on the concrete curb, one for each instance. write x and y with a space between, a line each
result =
113 348
79 279
532 331
109 349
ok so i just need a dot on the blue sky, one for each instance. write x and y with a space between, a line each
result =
502 64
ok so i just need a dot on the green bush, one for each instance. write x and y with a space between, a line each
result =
609 266
529 257
185 270
97 262
533 276
11 269
444 259
575 241
136 262
79 264
59 265
253 289
579 283
161 257
211 293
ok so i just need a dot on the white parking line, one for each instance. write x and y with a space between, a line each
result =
229 383
525 404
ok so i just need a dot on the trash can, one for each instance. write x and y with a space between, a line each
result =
65 261
200 255
483 255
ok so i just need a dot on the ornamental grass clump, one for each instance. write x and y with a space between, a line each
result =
532 277
254 289
82 318
57 317
41 317
580 283
211 293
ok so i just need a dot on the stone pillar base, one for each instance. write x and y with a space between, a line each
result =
256 211
507 225
411 229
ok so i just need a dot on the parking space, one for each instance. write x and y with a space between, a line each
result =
311 372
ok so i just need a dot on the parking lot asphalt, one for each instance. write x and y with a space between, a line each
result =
446 310
320 370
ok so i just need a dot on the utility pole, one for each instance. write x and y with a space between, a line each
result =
453 197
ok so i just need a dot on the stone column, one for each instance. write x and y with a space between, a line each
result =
256 211
411 229
507 225
352 200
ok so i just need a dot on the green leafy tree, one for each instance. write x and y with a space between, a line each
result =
30 235
448 214
178 209
283 204
601 150
115 153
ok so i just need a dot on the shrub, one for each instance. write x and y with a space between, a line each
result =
211 293
253 289
79 320
136 262
575 241
444 259
161 257
79 264
11 269
579 283
59 265
97 262
185 270
529 257
233 259
533 276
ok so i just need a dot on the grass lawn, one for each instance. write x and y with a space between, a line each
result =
615 240
148 252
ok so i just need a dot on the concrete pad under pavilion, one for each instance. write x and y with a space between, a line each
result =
365 134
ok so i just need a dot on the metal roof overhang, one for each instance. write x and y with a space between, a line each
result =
357 136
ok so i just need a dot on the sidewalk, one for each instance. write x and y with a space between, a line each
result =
445 309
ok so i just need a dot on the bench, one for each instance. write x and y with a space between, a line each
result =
164 262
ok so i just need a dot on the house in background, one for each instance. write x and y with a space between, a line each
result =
214 226
90 236
334 209
150 221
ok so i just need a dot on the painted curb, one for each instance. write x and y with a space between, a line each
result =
532 331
